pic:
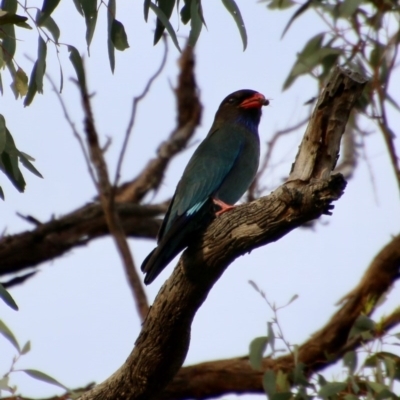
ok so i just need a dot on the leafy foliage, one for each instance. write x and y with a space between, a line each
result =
33 373
373 378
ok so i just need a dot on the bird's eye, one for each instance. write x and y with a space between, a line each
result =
231 100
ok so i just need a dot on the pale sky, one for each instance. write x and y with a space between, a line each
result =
78 311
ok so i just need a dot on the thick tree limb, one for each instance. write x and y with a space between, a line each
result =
163 342
58 236
324 348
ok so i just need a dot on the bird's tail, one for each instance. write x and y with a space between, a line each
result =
184 230
158 259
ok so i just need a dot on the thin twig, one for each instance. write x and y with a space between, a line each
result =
136 101
73 128
106 197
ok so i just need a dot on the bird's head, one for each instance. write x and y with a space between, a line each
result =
243 105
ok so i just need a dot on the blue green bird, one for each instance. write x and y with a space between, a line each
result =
218 174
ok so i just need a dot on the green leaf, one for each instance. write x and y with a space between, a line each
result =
233 9
161 16
271 336
282 382
110 45
166 6
307 59
1 193
7 298
146 7
118 36
350 397
23 25
280 4
32 88
78 6
9 43
20 84
185 11
11 18
47 8
3 134
298 375
350 361
51 26
6 332
348 7
282 396
89 8
4 383
196 22
78 65
304 7
376 387
362 324
41 376
331 388
27 347
24 158
269 383
41 64
257 349
9 5
2 62
9 163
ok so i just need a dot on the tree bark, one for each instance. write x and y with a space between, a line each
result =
164 339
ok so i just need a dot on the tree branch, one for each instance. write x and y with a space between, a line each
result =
164 339
106 195
324 348
58 236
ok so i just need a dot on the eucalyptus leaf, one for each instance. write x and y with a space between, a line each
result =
161 16
166 6
110 45
256 352
331 388
52 27
7 298
32 88
27 347
146 8
41 64
28 165
47 8
3 134
269 383
233 9
41 376
6 332
196 22
77 63
118 36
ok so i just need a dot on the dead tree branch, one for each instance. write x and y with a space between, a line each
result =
164 339
60 235
324 348
189 114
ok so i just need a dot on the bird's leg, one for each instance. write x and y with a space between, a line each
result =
224 207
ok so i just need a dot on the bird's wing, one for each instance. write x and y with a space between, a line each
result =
206 171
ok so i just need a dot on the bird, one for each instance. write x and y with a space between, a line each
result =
217 175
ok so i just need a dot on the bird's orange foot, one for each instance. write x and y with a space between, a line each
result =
224 207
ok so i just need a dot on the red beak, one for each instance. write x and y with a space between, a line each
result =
256 101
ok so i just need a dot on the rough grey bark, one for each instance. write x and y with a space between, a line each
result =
164 339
